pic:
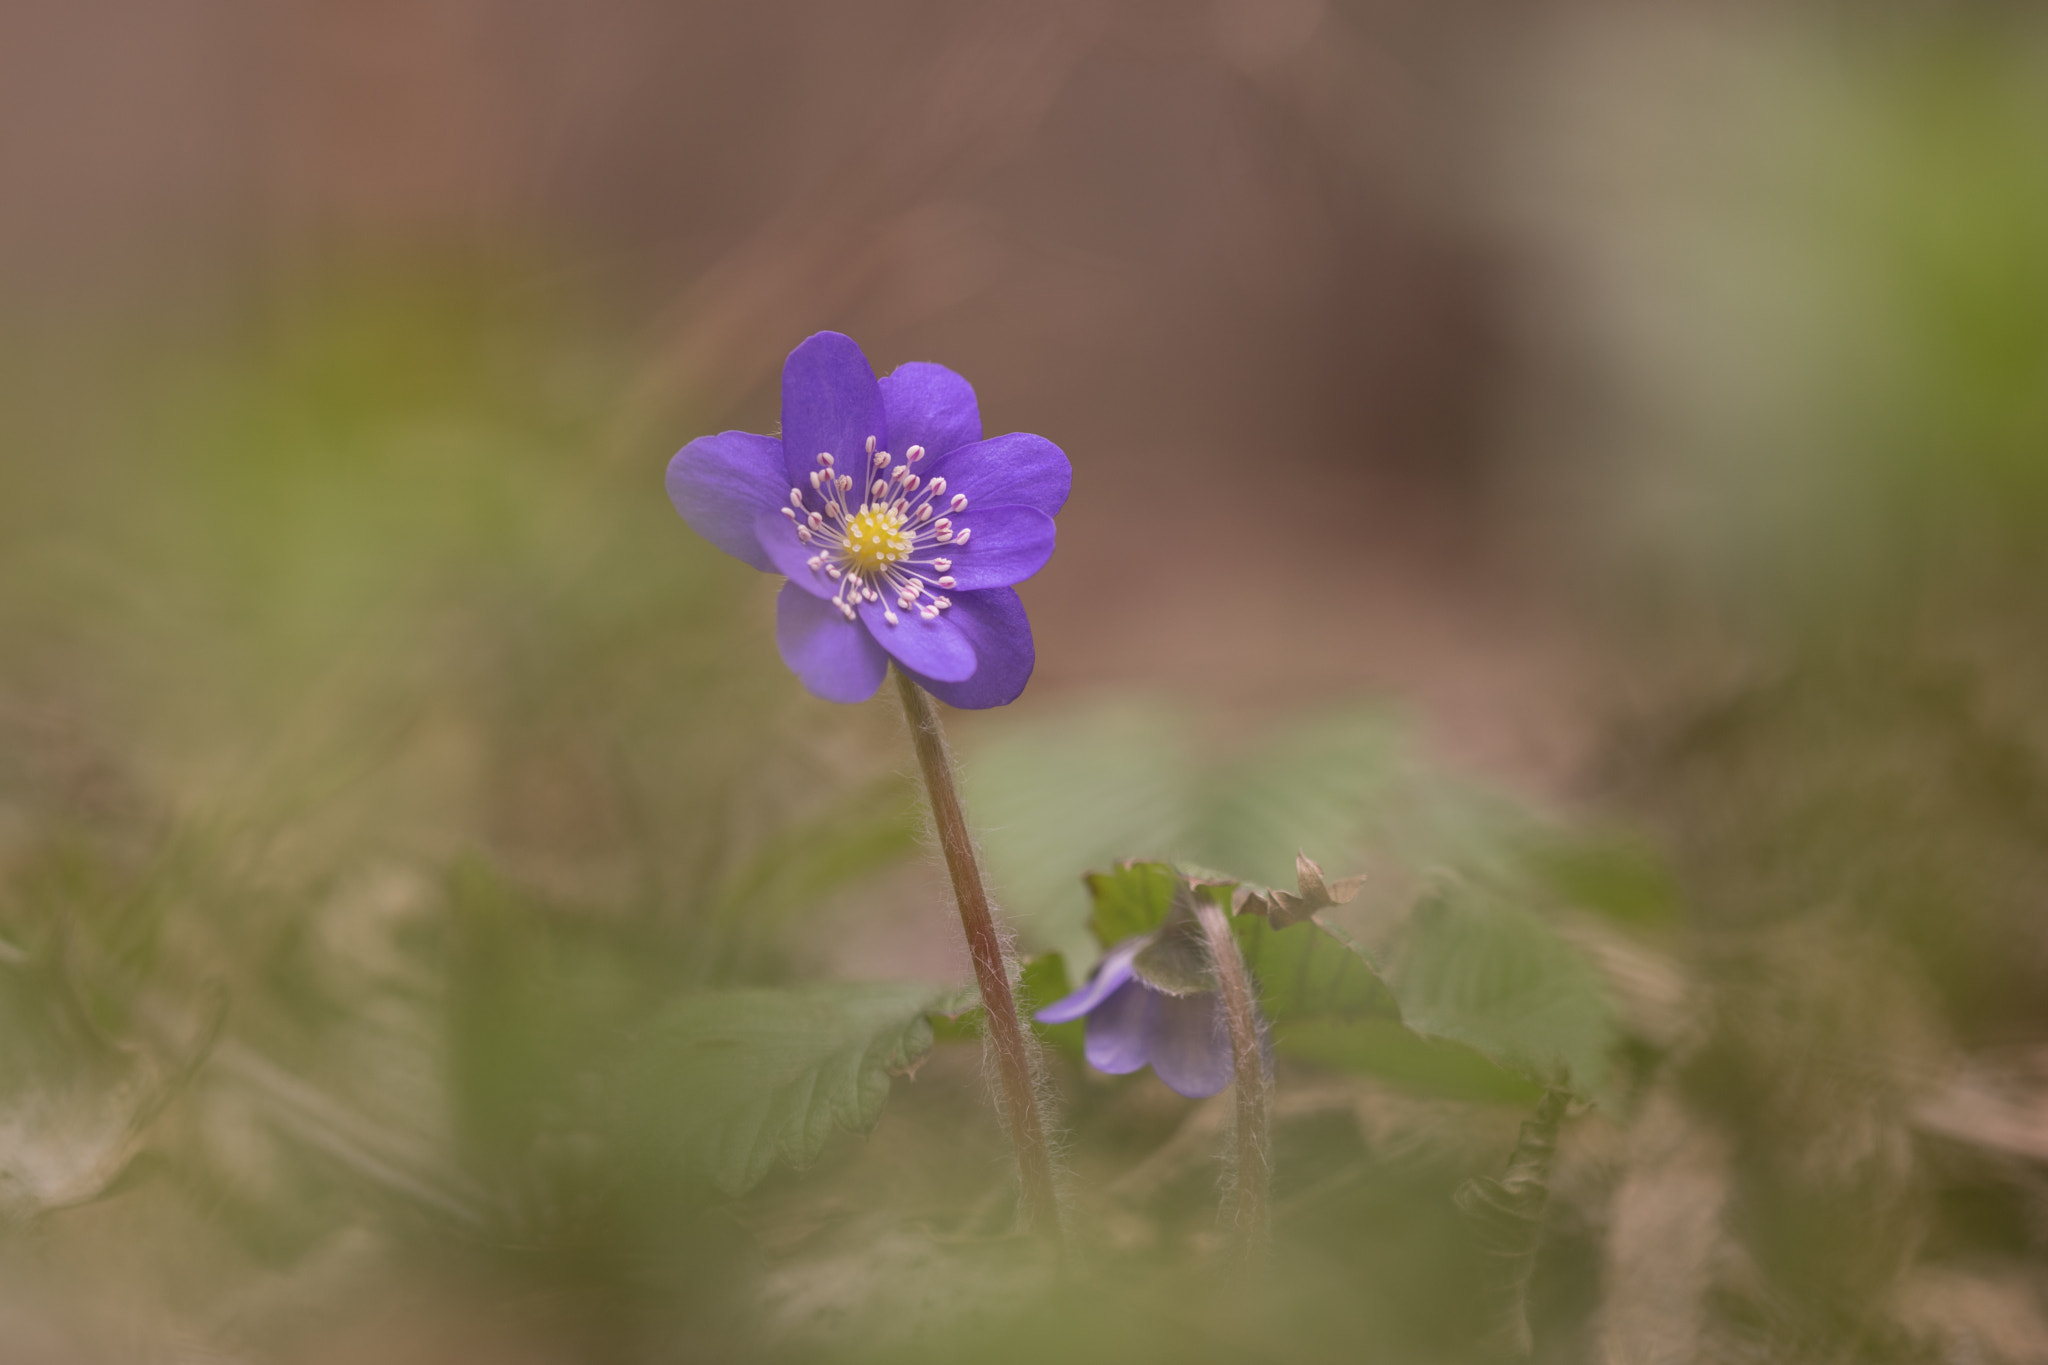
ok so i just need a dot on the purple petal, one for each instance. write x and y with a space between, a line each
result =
937 648
994 623
1111 973
721 483
1018 468
1188 1044
1115 1040
776 535
1008 545
830 403
833 657
928 405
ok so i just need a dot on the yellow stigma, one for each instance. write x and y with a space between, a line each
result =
875 539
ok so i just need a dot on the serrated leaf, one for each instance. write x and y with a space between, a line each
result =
1131 899
732 1081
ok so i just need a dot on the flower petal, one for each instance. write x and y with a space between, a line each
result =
937 648
786 554
721 483
1017 468
929 405
1188 1044
1009 545
995 624
833 657
830 402
1115 1039
1112 972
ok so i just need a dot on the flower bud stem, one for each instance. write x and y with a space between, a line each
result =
1250 1198
1038 1202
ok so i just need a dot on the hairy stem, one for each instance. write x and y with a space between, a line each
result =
1250 1206
1509 1216
1038 1204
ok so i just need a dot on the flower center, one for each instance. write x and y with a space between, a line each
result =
897 542
875 539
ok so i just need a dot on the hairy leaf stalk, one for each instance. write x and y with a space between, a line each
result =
1038 1203
1509 1215
1249 1206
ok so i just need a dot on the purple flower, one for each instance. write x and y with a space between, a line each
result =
1131 1023
900 529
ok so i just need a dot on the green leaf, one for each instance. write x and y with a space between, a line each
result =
1471 967
730 1081
1387 1049
1133 899
1309 970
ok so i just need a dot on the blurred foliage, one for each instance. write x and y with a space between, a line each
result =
419 880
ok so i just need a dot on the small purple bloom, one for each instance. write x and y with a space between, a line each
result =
1131 1023
900 529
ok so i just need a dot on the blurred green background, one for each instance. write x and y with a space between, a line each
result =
1582 465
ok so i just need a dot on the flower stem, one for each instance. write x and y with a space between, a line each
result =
1038 1202
1250 1197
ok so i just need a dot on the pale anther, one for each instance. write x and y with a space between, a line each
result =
942 564
914 454
965 532
889 616
946 582
959 503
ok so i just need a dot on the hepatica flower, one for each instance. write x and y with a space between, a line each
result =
900 529
1132 1022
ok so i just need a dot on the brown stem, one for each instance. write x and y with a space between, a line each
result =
1251 1186
1038 1203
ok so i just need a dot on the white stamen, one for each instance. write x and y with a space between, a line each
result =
924 513
943 536
825 458
803 533
845 482
796 499
910 484
789 512
815 519
881 459
831 507
928 613
942 565
847 609
816 476
959 503
889 616
943 525
965 532
832 569
871 445
878 487
947 582
814 561
914 454
871 594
